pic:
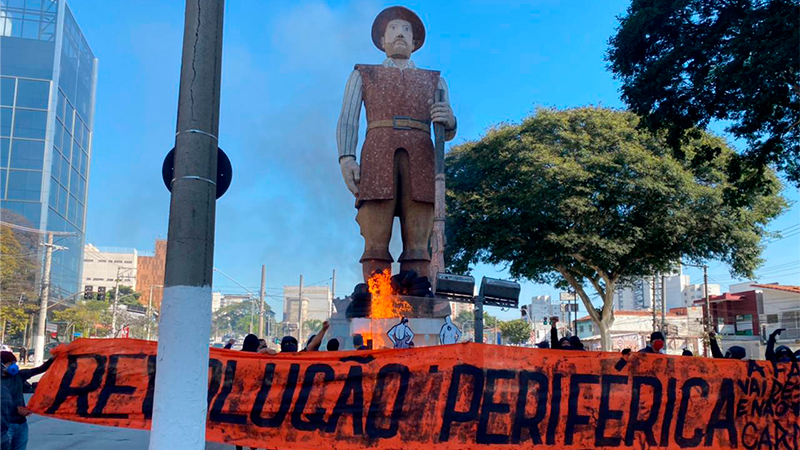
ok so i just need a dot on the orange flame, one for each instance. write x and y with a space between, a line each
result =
386 304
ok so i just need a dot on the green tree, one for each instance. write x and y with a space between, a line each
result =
583 197
465 321
311 326
686 63
19 292
237 318
516 331
86 317
127 296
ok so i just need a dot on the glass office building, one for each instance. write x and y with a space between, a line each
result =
48 76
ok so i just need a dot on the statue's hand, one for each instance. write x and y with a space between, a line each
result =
442 113
351 173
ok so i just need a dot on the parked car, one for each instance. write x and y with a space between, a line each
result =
47 348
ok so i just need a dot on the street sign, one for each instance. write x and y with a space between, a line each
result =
224 171
566 296
51 328
77 334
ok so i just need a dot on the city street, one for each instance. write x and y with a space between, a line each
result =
54 434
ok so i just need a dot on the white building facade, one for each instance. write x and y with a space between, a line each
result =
317 303
103 265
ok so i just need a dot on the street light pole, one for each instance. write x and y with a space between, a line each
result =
180 398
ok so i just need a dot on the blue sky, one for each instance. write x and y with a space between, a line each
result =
284 69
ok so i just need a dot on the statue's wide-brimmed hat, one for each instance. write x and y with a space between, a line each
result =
398 12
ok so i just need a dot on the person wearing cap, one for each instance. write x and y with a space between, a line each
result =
397 168
657 343
13 412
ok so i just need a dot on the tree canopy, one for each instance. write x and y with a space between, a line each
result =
236 318
19 292
516 331
686 63
584 197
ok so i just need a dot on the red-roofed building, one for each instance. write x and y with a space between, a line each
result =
735 314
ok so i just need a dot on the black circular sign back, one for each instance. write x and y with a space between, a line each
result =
224 171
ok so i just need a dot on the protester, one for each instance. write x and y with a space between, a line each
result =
734 351
250 343
575 343
13 424
687 352
288 344
780 354
230 343
358 342
315 341
657 343
332 345
556 343
262 344
543 344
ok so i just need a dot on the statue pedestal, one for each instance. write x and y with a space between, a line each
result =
426 331
426 318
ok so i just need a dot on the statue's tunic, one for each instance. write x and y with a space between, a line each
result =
390 93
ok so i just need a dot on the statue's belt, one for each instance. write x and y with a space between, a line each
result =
401 123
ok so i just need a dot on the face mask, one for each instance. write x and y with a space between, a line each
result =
658 345
12 369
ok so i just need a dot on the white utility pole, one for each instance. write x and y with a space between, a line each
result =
180 405
38 342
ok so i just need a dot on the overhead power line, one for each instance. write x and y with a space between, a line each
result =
35 230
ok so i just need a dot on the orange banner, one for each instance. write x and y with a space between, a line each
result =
451 397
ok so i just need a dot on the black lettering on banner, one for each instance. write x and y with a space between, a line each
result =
573 418
450 414
531 423
111 387
753 367
671 396
377 405
781 436
147 403
489 406
606 413
725 401
645 426
745 432
66 390
215 380
315 419
765 440
216 414
352 387
286 399
686 393
555 409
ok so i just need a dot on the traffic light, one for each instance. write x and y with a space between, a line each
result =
88 292
101 292
277 341
524 311
545 320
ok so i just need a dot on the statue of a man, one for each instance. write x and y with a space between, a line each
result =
396 175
